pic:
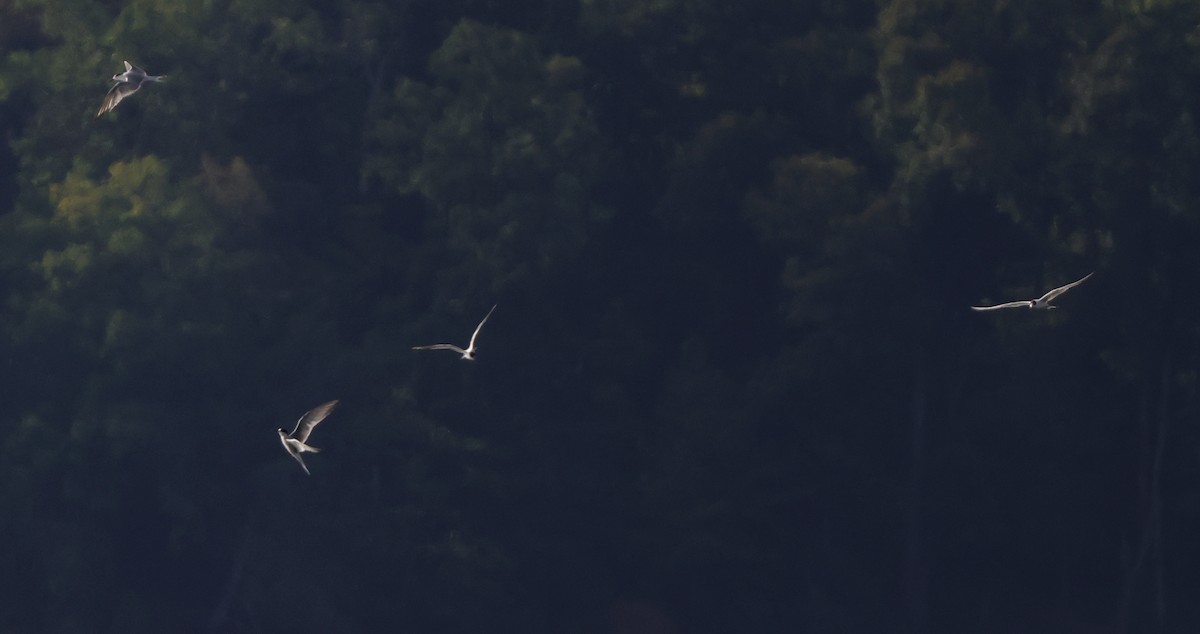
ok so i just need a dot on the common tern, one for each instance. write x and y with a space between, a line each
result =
128 83
1042 303
469 353
295 442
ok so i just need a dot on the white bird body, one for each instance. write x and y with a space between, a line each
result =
128 83
296 441
1041 303
469 353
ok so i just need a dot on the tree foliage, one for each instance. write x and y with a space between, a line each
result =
731 383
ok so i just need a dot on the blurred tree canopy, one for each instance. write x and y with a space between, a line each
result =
731 383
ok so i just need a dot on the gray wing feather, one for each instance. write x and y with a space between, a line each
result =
1021 304
301 461
441 346
1050 295
116 94
305 425
480 327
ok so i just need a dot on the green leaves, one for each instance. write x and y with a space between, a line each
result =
503 147
733 247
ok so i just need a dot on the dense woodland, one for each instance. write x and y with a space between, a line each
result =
732 383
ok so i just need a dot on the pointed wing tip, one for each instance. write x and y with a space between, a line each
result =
440 346
324 409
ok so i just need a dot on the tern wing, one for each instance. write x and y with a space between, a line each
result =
118 92
305 425
441 346
1050 295
1021 304
300 459
471 346
129 67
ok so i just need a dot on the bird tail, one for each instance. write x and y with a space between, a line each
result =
156 77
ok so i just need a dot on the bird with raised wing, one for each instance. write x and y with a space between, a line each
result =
128 83
296 442
1041 303
469 353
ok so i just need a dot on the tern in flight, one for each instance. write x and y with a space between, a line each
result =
128 83
469 353
1042 302
295 442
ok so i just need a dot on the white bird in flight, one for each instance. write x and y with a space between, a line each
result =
128 83
469 353
295 442
1042 302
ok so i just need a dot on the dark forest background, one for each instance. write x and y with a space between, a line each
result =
732 384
